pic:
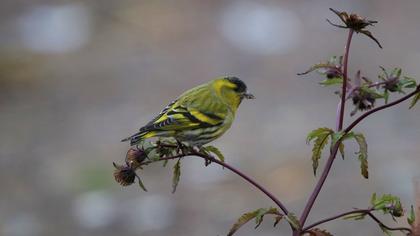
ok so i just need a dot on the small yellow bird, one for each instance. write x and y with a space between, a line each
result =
198 116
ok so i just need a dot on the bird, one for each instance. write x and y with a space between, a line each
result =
199 115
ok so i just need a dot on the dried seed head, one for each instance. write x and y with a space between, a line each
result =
124 175
391 84
363 100
135 157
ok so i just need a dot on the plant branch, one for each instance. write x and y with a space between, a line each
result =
363 211
334 150
387 227
344 87
229 167
335 217
366 114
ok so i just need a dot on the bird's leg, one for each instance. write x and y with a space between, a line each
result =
181 148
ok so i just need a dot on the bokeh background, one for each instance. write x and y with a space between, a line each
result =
77 76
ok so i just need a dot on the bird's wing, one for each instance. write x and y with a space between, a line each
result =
196 108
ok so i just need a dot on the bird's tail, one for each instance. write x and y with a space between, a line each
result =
138 137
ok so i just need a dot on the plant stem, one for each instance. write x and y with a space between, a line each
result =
364 211
335 217
344 87
231 168
385 226
334 150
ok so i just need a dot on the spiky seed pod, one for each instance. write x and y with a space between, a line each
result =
124 175
135 157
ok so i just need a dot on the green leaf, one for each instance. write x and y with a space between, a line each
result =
317 67
257 214
176 176
216 151
386 96
293 220
277 219
341 149
319 232
320 137
388 204
396 72
408 82
373 199
360 139
245 218
415 99
333 81
141 184
337 136
165 163
262 212
411 216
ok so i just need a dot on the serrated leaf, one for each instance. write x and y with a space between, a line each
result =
360 139
373 199
245 218
216 151
263 212
411 216
176 175
277 219
415 100
259 217
333 81
320 137
319 232
165 163
293 220
335 137
257 214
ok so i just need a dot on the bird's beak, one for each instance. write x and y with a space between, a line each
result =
248 96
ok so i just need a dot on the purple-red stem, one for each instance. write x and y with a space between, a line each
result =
364 211
233 169
340 121
344 87
364 115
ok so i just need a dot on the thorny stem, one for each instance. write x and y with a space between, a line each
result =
231 168
340 120
364 211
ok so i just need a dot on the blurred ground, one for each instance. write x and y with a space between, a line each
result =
77 76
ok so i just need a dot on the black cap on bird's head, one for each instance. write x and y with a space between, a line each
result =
240 87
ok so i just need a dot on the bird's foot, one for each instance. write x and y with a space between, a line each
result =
182 148
202 150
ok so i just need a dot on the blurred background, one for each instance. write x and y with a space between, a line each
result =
77 76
